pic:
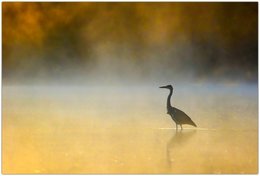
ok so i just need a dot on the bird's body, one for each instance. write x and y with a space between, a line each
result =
178 116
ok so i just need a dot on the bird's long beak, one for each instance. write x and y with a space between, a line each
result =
163 87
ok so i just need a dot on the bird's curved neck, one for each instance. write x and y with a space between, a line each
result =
169 100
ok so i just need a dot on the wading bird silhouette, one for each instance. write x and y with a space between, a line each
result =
178 116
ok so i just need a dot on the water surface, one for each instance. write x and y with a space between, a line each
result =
125 129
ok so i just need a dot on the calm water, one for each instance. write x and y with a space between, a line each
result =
83 129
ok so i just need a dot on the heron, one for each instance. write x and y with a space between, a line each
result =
178 116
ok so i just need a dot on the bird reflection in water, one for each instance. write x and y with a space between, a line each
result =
177 146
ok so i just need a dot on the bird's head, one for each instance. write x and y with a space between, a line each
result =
167 87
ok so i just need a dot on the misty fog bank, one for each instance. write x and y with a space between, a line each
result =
126 76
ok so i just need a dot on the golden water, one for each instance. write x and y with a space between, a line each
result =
54 129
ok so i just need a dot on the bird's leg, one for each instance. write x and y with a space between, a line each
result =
176 127
181 127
